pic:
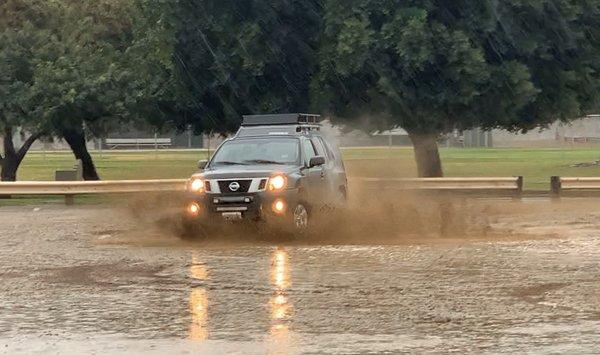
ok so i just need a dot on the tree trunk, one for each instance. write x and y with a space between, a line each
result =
10 164
427 155
12 158
76 140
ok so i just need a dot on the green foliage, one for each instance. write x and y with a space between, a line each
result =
429 66
433 66
21 46
87 80
71 62
242 57
153 93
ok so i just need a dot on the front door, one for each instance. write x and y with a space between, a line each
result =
315 176
328 179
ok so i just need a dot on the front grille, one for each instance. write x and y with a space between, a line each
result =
224 186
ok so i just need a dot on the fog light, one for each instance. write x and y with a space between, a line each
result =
193 209
279 206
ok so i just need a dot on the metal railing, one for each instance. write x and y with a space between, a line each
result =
478 185
72 188
559 185
512 185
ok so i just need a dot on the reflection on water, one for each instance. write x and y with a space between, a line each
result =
199 312
198 304
280 273
280 305
280 309
198 270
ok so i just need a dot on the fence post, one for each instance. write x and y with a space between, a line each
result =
519 192
78 167
555 187
69 200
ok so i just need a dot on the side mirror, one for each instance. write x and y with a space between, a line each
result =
202 164
316 161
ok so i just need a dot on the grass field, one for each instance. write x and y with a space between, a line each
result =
536 165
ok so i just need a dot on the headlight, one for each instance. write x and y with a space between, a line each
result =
277 182
196 185
279 206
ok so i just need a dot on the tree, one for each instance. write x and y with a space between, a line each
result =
119 62
435 66
79 69
21 45
156 99
59 73
241 57
98 79
87 83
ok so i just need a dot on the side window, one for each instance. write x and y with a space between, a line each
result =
320 148
309 150
328 149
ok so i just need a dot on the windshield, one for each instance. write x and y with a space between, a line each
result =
281 151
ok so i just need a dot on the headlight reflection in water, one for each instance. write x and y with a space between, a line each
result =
198 302
280 306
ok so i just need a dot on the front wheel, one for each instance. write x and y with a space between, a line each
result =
300 218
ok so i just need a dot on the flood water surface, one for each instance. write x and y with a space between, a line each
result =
65 287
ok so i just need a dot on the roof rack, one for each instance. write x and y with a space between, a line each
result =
281 119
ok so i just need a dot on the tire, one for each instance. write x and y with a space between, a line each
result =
300 219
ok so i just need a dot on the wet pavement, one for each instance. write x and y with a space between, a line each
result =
84 280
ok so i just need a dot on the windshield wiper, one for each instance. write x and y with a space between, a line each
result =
263 161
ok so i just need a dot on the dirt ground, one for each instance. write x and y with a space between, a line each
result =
497 276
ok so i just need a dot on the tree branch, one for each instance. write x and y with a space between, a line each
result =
27 144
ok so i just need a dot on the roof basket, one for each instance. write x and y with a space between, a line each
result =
281 119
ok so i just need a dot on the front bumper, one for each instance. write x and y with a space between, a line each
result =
246 206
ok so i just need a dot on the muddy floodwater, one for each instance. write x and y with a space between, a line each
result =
93 279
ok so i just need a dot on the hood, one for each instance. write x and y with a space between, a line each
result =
246 171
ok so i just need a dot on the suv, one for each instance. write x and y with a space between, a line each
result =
277 168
